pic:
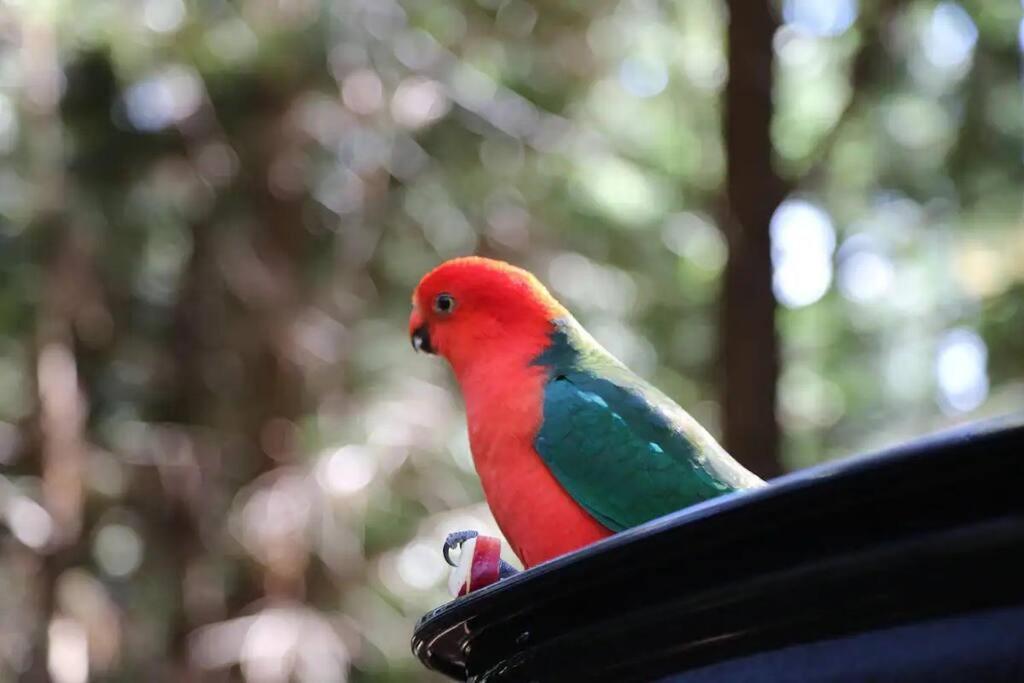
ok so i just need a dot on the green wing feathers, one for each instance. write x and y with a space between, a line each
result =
623 450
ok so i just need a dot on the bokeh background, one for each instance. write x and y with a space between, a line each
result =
219 457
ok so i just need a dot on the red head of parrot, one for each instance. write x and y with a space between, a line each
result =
471 309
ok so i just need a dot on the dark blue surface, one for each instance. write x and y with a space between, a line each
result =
986 647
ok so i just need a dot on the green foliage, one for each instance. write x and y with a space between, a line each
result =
218 453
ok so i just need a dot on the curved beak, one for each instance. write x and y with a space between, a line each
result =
419 332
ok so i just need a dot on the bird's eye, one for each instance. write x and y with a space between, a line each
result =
444 303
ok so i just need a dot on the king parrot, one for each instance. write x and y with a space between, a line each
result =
570 445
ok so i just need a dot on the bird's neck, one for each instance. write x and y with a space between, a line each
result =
498 353
502 385
491 382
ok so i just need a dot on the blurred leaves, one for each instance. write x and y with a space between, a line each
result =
219 458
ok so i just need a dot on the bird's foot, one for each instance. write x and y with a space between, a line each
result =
506 570
456 539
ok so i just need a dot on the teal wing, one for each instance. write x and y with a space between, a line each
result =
624 451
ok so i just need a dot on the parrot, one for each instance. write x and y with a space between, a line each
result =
570 445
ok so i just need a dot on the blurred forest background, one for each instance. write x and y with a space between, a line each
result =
219 457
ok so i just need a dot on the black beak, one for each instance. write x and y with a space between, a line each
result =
421 340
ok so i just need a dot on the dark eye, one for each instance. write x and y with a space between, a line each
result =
444 303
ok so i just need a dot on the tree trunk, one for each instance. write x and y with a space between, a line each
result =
748 344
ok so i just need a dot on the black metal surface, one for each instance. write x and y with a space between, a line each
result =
916 533
981 647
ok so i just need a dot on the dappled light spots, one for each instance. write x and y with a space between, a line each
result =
803 239
961 370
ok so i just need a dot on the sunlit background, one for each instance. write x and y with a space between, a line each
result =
219 457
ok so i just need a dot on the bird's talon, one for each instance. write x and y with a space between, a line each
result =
455 540
506 570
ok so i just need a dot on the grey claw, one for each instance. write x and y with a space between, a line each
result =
455 540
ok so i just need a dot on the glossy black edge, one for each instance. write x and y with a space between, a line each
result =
449 621
981 647
848 584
